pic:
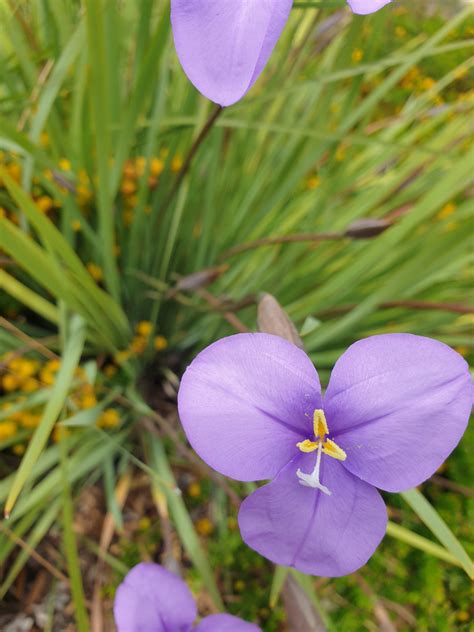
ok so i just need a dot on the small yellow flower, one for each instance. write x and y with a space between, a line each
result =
144 328
22 367
14 170
88 401
129 171
76 225
176 164
194 490
128 187
109 418
313 182
204 526
138 344
357 55
8 429
95 271
156 167
239 585
30 385
53 365
447 210
64 164
29 420
400 31
46 377
427 83
10 382
44 203
19 449
160 343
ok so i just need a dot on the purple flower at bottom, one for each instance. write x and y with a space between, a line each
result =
395 408
223 45
152 599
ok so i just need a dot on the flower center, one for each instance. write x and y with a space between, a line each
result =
321 444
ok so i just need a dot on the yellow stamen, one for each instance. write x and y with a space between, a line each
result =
332 449
320 425
307 445
321 430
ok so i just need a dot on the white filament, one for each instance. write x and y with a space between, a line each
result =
312 480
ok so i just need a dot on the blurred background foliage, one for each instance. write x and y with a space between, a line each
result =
138 223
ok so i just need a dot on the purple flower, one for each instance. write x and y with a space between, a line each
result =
395 408
151 599
223 45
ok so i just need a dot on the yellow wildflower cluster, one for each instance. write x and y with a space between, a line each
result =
141 342
20 376
416 82
45 203
134 170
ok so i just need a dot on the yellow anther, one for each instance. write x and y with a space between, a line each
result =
320 425
307 445
332 449
321 430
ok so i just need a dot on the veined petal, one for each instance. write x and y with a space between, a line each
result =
246 401
151 599
223 45
225 623
318 534
363 7
398 404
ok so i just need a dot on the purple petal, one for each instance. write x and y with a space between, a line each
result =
398 405
363 7
151 599
225 623
302 527
223 45
246 401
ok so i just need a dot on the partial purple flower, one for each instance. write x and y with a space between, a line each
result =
363 7
223 45
152 599
395 408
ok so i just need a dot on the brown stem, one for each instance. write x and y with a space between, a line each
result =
230 317
283 239
189 158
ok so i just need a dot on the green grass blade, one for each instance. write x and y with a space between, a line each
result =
28 297
440 529
70 548
70 361
421 543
